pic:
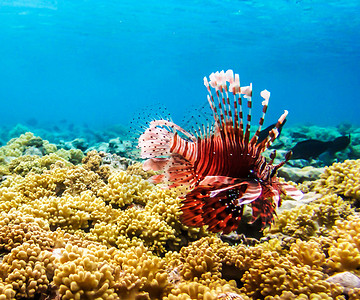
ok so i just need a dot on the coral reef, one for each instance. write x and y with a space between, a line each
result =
93 227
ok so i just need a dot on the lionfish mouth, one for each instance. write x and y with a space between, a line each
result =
221 165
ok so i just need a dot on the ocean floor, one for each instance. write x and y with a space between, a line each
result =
79 219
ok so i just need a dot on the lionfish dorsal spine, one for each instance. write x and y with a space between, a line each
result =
266 95
266 143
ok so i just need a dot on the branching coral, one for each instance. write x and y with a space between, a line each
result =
32 154
142 274
6 291
342 179
32 163
273 274
123 189
137 169
75 156
126 210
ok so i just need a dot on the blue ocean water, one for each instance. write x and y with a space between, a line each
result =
99 62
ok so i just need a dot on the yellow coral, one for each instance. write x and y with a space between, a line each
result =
342 179
123 189
313 219
28 269
6 291
97 233
272 275
137 169
32 163
307 253
84 273
17 228
354 294
146 272
344 252
16 146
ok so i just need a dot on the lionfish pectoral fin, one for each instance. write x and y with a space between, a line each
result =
192 207
155 141
263 209
155 164
252 192
155 179
292 191
200 209
180 171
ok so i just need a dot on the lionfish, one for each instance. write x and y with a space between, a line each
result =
222 165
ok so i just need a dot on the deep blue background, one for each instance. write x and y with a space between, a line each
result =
99 62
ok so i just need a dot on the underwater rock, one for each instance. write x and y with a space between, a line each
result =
116 146
298 175
99 147
33 151
115 161
345 128
355 151
78 143
347 280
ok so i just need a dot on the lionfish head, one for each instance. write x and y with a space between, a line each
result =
222 166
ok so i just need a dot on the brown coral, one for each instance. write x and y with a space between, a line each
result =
17 228
28 269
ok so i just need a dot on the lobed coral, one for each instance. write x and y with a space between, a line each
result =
341 179
313 219
344 252
28 269
84 273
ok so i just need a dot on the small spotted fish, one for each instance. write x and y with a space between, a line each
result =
221 164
